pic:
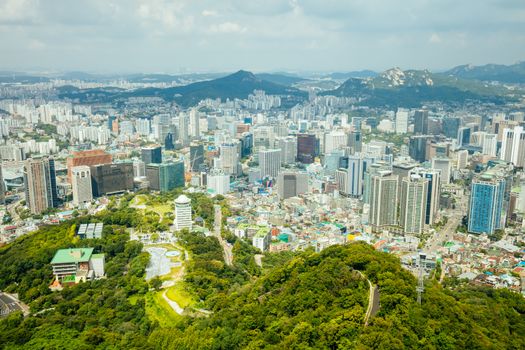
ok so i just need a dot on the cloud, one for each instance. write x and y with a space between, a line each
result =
168 35
227 28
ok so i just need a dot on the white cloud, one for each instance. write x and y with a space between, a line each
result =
209 13
227 28
434 39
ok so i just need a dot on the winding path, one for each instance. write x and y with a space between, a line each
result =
373 299
173 304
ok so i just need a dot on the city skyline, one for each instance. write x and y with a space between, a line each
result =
181 36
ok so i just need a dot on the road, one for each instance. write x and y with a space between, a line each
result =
373 299
447 232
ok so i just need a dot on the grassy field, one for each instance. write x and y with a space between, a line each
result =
180 295
158 309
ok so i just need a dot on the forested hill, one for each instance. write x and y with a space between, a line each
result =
318 301
304 301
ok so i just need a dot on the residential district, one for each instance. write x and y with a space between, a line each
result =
438 186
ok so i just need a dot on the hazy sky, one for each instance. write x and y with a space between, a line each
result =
260 35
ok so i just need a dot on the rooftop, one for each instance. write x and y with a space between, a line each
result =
72 255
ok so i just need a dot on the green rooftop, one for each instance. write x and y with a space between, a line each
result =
72 255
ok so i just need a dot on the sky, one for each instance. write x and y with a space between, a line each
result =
175 36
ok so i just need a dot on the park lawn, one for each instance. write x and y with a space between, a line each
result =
180 295
158 309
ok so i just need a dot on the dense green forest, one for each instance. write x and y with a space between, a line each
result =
304 300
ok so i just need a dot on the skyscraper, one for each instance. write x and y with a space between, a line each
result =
355 141
443 165
413 203
196 157
40 184
194 123
490 145
486 209
151 155
111 178
464 136
417 147
291 184
433 191
451 127
166 176
217 182
350 178
462 159
401 121
270 162
184 136
513 146
334 140
288 146
229 158
182 213
307 148
383 200
81 185
421 122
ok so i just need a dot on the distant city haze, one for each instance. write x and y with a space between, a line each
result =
123 36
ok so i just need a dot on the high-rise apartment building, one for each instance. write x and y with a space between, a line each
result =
433 192
229 158
40 184
383 200
184 132
194 123
414 191
81 185
270 162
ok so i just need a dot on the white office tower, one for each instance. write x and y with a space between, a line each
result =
184 136
350 179
414 191
291 184
270 162
462 161
443 165
334 140
401 121
194 123
81 185
139 168
218 183
143 126
229 158
490 145
383 200
477 138
434 188
513 146
182 213
288 146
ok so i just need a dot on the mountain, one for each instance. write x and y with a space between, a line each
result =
298 300
356 74
236 85
280 78
411 88
491 72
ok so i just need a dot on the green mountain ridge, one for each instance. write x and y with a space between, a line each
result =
514 73
412 88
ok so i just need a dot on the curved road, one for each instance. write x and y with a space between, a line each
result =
373 299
